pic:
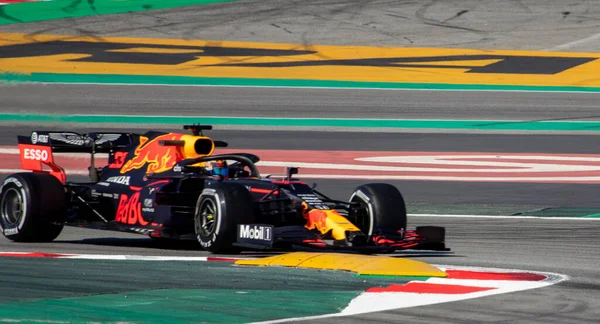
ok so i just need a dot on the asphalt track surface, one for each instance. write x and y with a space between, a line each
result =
563 246
314 103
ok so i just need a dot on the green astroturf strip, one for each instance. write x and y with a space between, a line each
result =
592 216
209 81
180 306
564 212
58 9
46 290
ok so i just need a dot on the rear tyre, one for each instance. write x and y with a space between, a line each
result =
382 207
32 207
219 210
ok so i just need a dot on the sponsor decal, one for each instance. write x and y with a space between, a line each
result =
36 154
71 138
124 180
11 180
36 138
207 244
156 157
147 202
148 205
209 191
129 210
255 234
34 157
11 231
83 139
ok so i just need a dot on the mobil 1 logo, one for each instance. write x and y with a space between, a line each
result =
255 234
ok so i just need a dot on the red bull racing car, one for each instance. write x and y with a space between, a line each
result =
172 185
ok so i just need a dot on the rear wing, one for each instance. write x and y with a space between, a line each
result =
71 142
36 150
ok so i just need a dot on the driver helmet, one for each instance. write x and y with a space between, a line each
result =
220 168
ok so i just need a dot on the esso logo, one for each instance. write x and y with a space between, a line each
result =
35 154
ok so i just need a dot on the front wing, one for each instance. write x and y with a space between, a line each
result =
268 237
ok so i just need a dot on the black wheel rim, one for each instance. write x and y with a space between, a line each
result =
361 215
12 207
208 217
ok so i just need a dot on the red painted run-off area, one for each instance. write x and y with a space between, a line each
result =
476 275
6 2
429 288
451 289
394 165
30 255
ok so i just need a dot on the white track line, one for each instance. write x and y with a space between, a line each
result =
127 257
576 43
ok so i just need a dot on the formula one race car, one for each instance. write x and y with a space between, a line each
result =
171 185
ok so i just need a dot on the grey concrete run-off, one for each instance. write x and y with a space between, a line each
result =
487 24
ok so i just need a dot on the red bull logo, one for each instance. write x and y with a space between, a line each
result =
317 219
327 220
158 158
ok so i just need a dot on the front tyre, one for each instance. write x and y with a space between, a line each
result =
219 210
32 207
382 208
